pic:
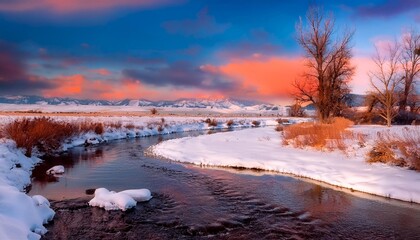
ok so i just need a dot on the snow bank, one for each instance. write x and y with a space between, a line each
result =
21 216
59 169
110 200
262 148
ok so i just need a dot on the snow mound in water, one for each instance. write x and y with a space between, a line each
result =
110 200
56 170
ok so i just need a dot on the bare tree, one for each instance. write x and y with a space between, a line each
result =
410 63
328 67
386 80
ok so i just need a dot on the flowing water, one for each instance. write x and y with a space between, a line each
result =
194 202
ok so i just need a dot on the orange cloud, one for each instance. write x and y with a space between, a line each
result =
79 86
64 6
261 78
68 86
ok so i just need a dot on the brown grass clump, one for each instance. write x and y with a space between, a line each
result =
317 135
153 111
230 123
88 126
256 123
211 122
129 126
398 149
279 128
98 128
282 121
116 125
44 133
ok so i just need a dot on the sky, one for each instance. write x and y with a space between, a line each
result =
171 49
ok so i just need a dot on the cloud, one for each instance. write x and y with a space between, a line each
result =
204 25
69 6
180 74
101 71
14 78
265 78
388 9
360 83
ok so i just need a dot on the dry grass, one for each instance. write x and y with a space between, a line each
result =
398 149
321 136
88 126
279 128
256 123
43 133
116 125
153 111
211 122
230 123
129 126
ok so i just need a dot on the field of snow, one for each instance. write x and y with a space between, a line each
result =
139 110
262 148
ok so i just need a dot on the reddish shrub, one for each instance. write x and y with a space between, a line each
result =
44 133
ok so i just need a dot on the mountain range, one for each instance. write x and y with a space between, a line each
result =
352 100
185 103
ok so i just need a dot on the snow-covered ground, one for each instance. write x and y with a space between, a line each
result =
144 110
22 216
262 148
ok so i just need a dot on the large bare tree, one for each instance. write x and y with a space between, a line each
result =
328 67
410 63
386 80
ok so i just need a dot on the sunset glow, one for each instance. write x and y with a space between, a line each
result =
170 49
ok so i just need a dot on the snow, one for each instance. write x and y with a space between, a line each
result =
21 216
262 148
110 200
59 169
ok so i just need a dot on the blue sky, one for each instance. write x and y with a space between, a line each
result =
170 49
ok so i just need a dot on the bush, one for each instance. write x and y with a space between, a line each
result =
282 121
116 125
330 135
397 149
98 128
153 111
256 123
130 126
296 110
230 123
279 128
43 133
211 123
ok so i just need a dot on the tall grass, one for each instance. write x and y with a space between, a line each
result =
321 136
398 149
43 133
46 134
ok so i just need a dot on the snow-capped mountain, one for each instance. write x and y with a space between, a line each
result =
181 103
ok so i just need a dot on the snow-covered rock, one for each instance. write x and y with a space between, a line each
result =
59 169
110 200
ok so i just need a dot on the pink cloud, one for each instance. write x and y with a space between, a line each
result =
360 83
66 6
101 71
